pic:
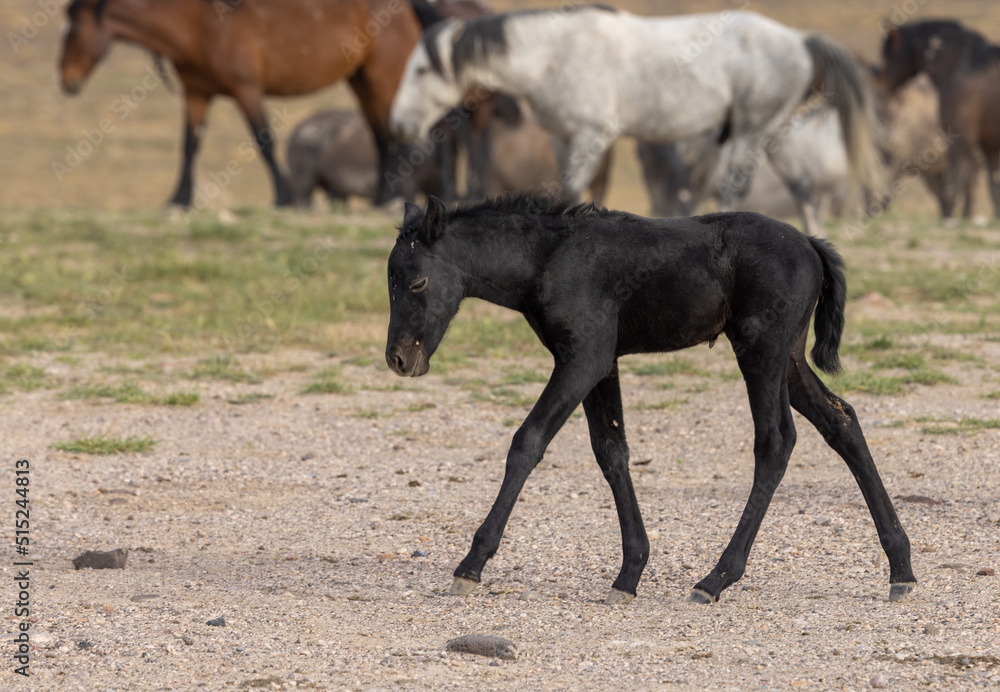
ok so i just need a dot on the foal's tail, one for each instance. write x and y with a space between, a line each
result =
829 320
840 81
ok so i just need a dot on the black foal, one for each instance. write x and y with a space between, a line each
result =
596 285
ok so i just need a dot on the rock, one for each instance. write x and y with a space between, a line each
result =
919 499
823 521
96 559
217 622
987 572
932 630
386 556
419 553
484 645
140 598
307 456
563 594
529 595
878 681
187 640
84 644
355 500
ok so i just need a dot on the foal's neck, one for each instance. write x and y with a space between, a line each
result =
501 258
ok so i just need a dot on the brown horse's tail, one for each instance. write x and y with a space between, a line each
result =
840 81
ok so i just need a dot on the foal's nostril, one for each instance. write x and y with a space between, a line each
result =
400 365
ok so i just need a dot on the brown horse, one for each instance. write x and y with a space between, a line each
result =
249 50
965 70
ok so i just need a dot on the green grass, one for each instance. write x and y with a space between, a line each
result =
250 398
504 396
130 393
224 366
659 405
945 426
106 444
994 395
327 382
22 377
675 365
871 382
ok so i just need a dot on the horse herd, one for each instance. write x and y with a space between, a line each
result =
546 93
535 99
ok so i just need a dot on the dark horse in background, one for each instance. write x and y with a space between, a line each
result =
965 70
596 285
247 50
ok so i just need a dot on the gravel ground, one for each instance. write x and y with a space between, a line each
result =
297 518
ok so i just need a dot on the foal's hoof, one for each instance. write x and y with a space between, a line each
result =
699 596
616 597
897 592
462 587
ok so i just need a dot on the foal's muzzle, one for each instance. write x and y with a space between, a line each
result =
407 360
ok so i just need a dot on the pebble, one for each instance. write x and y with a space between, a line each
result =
530 595
187 640
987 572
139 598
355 500
878 681
217 622
307 456
823 521
563 594
420 553
932 630
484 645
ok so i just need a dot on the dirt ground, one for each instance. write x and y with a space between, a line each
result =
296 519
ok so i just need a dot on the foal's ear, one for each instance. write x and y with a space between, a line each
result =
411 212
433 219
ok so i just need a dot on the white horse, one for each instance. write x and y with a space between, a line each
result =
592 74
679 177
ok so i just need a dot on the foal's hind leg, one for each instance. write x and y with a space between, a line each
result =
774 438
603 407
836 421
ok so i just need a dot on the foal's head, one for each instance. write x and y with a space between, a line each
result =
429 86
85 42
425 290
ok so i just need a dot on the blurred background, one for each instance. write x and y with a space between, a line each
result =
136 165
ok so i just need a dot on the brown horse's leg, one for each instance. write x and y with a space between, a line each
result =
195 108
837 422
252 103
603 407
993 177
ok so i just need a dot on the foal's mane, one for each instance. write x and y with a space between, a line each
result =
480 39
529 205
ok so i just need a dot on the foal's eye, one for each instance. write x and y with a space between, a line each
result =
420 71
418 284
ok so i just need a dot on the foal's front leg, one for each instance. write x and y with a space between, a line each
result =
563 393
603 407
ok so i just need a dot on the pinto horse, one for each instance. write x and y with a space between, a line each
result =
593 74
596 285
249 50
965 69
